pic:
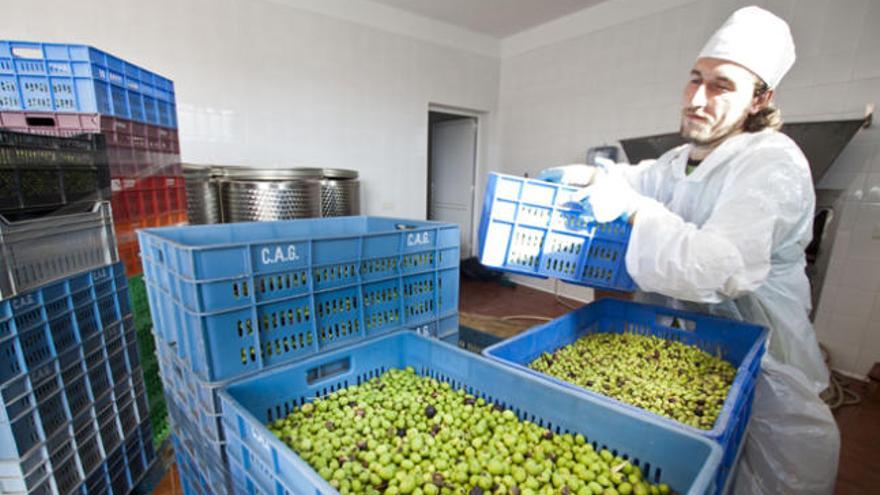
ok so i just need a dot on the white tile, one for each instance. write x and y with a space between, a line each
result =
843 356
807 24
822 324
843 26
852 183
834 67
864 242
867 59
841 245
853 96
835 271
847 216
856 157
865 361
871 337
870 347
827 300
846 329
874 134
871 191
799 76
875 313
853 303
861 275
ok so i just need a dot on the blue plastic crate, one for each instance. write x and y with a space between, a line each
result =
197 400
40 325
65 470
686 461
97 483
529 228
29 426
56 77
89 451
741 344
192 480
206 460
72 461
242 297
29 471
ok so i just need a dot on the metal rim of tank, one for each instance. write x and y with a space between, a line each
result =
339 174
236 174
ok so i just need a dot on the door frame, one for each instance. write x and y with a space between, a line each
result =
480 165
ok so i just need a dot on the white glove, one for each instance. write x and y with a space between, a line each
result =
576 174
611 197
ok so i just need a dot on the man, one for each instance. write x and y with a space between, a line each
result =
720 225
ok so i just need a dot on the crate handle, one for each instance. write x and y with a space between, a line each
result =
327 371
676 322
27 52
40 121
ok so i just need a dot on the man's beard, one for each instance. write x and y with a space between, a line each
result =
710 137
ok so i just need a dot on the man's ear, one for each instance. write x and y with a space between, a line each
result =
761 101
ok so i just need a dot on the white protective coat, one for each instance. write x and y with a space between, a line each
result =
729 240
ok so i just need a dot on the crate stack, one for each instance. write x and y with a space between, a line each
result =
236 301
65 90
73 407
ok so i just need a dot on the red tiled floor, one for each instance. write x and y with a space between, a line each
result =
859 469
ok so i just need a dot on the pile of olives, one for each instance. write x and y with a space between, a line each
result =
669 378
405 434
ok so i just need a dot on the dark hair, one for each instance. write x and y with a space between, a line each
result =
768 117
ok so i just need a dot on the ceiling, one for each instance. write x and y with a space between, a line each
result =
498 18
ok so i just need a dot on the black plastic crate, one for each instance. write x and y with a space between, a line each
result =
41 175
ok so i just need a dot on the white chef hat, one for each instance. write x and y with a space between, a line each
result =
757 40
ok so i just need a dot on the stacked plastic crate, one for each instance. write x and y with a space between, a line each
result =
73 407
234 301
64 90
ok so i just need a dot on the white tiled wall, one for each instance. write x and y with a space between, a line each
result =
626 80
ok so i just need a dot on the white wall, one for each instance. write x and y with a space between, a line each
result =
621 75
288 82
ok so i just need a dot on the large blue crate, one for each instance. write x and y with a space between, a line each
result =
238 298
56 77
686 461
529 227
739 343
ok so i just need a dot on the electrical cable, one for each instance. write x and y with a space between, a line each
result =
525 317
558 298
838 394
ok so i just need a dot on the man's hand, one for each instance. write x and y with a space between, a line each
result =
576 174
611 197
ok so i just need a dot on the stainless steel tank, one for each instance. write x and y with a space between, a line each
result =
340 193
250 195
202 193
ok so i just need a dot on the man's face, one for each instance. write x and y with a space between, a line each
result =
717 100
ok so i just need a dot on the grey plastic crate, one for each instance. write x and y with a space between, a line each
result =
40 251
